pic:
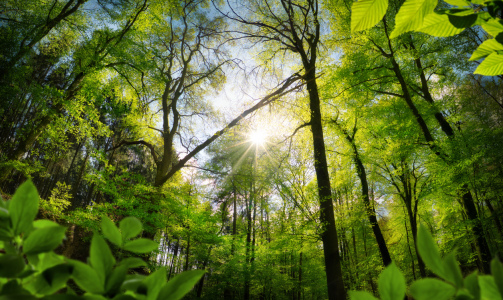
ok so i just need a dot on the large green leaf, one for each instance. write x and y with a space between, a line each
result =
133 262
497 272
51 280
438 25
115 280
429 288
154 283
460 3
488 288
87 278
471 283
10 265
452 271
23 207
411 15
130 227
391 283
101 257
429 251
367 13
463 22
360 295
486 48
180 285
491 66
141 246
493 27
110 231
44 239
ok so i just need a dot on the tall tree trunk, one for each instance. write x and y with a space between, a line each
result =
469 206
371 215
175 254
333 269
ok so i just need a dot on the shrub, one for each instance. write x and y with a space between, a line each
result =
449 285
29 269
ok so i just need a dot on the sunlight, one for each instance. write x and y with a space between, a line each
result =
258 137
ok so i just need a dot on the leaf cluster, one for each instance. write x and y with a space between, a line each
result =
29 269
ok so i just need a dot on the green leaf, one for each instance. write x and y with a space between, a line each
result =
463 294
115 280
180 285
366 14
452 271
462 22
429 251
497 272
458 2
429 288
391 283
488 288
110 231
10 265
52 279
486 48
101 257
130 227
154 283
124 297
44 239
359 295
132 282
493 27
87 278
44 223
495 8
133 262
141 246
438 25
62 297
491 66
23 207
471 283
47 260
411 15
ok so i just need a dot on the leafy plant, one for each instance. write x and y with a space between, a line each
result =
420 16
29 268
450 284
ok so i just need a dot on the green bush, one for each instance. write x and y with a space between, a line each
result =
450 285
29 269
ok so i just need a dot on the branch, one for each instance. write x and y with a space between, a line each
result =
284 89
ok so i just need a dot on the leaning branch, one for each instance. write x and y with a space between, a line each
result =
284 89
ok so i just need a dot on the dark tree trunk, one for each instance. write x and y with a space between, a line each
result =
371 215
333 269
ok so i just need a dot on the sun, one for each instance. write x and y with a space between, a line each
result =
257 137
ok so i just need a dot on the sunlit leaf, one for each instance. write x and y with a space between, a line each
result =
367 13
391 283
491 65
411 15
430 288
438 25
486 48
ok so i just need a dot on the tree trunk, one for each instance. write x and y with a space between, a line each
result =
335 284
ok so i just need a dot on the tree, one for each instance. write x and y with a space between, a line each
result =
296 29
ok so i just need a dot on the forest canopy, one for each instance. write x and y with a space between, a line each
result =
289 149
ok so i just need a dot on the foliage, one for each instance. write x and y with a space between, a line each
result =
450 283
59 201
31 270
419 15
